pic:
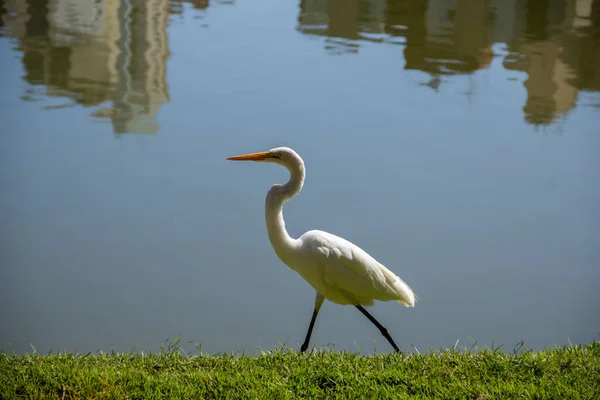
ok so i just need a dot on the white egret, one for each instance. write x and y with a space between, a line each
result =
338 270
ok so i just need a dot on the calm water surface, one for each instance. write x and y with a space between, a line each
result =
456 141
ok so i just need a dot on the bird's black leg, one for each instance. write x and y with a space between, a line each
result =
310 328
381 328
318 303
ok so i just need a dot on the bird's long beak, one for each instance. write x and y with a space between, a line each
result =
251 157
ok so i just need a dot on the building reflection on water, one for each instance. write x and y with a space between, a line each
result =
111 55
555 42
106 54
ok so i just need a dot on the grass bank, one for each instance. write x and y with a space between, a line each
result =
571 372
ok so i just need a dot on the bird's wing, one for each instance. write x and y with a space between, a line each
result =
354 271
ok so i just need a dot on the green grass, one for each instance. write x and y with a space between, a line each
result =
571 372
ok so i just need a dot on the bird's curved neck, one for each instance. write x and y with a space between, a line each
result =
281 241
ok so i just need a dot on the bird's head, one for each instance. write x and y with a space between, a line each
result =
286 157
279 155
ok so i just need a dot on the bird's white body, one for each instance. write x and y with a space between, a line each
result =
344 273
337 269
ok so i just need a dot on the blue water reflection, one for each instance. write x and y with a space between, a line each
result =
456 141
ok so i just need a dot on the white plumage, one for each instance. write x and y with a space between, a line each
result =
337 269
346 274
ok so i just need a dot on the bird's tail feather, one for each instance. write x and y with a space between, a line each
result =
407 304
407 297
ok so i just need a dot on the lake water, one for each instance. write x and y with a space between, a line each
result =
458 142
